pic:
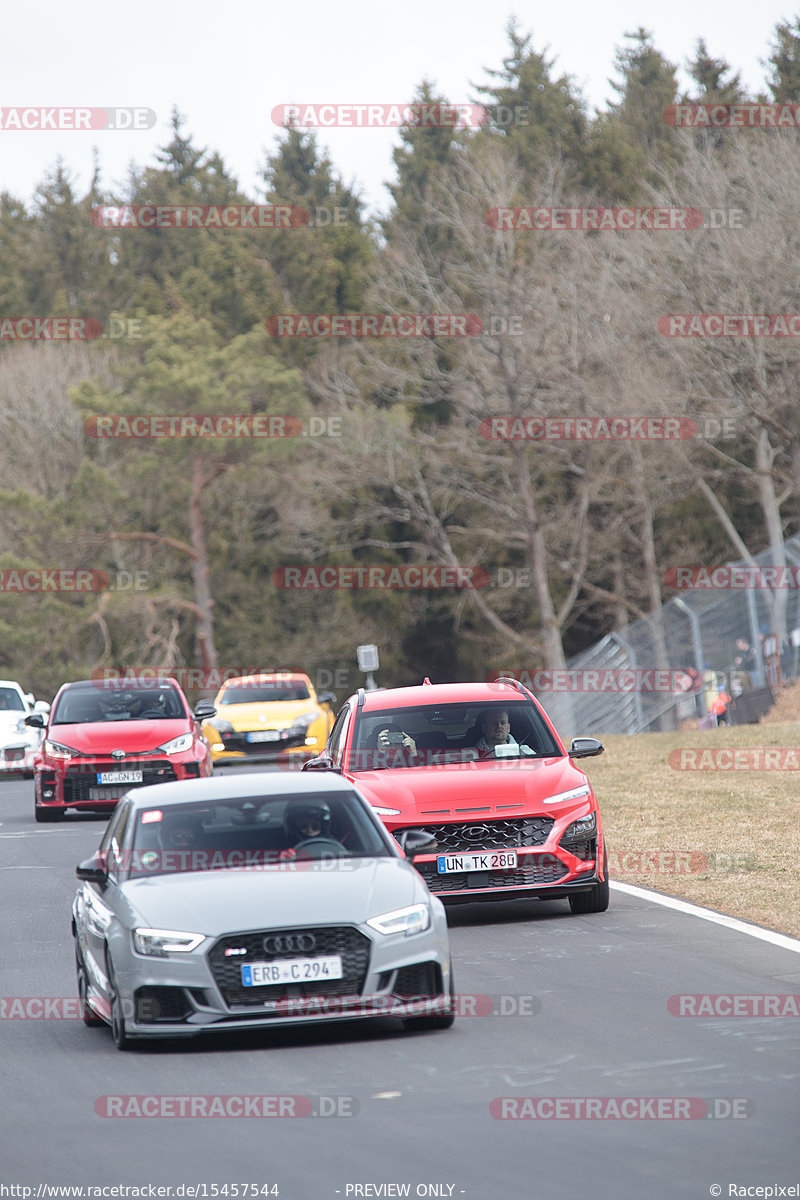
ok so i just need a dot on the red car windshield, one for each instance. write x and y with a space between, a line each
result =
96 703
450 733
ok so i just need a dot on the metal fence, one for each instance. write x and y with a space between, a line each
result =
739 638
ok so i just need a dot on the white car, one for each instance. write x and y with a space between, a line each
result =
18 742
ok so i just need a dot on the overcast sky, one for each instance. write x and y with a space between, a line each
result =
227 67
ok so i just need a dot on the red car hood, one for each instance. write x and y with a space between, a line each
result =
457 790
105 736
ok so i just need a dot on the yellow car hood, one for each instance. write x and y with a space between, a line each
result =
277 714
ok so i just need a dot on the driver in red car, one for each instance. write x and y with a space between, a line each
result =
496 731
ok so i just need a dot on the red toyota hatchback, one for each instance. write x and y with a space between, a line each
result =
476 785
102 739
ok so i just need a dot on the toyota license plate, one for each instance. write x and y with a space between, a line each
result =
264 735
479 860
119 776
292 970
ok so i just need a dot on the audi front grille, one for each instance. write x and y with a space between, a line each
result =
344 940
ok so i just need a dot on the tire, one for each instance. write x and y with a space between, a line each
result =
421 1024
597 899
118 1030
44 816
90 1017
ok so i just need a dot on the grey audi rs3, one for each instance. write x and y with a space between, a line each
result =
241 902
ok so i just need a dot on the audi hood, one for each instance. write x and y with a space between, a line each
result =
291 894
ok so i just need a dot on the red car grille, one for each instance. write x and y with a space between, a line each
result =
459 837
538 869
79 780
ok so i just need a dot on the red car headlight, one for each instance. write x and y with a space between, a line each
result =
177 744
57 750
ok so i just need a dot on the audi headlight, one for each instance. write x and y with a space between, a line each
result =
57 750
584 827
158 943
408 921
183 742
573 794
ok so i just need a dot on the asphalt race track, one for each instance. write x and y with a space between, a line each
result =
581 1011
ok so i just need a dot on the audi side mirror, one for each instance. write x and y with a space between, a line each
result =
93 870
417 841
322 762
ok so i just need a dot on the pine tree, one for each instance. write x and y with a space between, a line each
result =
630 144
708 74
784 61
543 118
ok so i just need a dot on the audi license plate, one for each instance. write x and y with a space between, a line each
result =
292 970
264 735
480 860
119 776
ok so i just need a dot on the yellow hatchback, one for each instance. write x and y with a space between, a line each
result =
269 716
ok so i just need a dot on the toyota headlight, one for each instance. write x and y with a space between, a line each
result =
158 943
182 742
57 750
408 921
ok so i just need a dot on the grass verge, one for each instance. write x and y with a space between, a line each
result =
722 836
